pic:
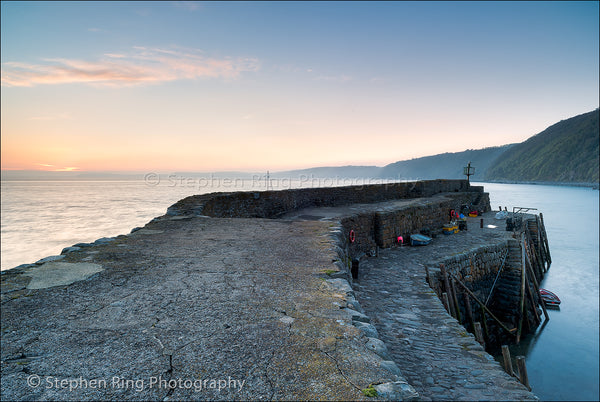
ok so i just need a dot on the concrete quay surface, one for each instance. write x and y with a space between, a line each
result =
437 356
190 309
195 308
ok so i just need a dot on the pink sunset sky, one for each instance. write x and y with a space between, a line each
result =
134 86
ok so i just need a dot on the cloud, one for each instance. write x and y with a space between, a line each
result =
141 66
57 169
67 169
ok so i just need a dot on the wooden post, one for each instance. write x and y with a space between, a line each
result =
468 310
485 307
427 276
481 223
523 371
533 259
486 333
539 262
447 288
507 362
522 301
455 299
445 301
527 325
543 257
532 304
536 288
545 239
479 333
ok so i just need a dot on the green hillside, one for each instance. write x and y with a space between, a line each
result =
445 166
567 151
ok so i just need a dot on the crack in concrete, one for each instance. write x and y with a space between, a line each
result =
271 384
344 376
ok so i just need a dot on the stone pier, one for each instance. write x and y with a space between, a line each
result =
249 296
190 309
436 354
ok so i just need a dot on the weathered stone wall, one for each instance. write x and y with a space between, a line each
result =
381 228
476 268
422 218
271 204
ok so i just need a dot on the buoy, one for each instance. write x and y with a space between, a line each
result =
400 240
352 236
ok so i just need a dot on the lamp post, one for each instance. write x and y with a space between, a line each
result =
468 171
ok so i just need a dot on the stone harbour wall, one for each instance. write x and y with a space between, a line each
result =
424 218
476 268
374 229
272 204
493 274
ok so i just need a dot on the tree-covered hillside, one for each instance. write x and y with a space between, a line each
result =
567 151
445 166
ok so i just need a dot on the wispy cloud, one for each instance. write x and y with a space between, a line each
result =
67 169
54 168
140 66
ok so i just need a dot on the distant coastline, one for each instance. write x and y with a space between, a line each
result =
594 186
24 175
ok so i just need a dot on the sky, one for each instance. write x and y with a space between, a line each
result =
254 86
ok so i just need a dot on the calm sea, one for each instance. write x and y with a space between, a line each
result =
39 218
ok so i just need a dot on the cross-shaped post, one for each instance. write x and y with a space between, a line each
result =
468 171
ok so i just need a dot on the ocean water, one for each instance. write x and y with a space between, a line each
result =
562 357
39 218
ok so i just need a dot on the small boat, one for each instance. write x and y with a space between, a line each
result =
549 298
419 240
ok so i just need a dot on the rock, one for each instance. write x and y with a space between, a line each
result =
377 346
172 211
286 319
368 329
60 273
474 386
18 268
357 315
49 259
392 367
104 240
340 285
68 250
396 391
